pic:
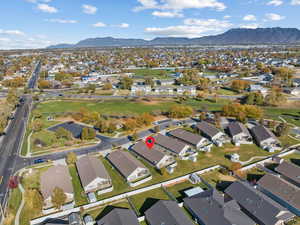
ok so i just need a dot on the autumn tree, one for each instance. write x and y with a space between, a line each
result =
71 158
282 129
37 125
12 96
88 133
180 111
126 83
58 197
107 86
239 85
63 133
286 74
34 201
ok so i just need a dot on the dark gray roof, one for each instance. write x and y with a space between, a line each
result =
260 206
152 155
166 212
235 128
209 206
207 129
89 168
186 136
55 176
169 143
289 170
282 189
124 162
261 133
119 216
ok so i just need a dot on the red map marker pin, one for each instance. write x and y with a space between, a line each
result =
150 142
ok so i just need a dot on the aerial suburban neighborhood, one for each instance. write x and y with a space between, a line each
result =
193 123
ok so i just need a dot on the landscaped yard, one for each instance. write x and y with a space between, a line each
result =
294 158
159 74
79 195
217 179
145 200
290 114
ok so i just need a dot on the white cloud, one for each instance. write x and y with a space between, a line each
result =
89 9
36 1
191 28
274 17
5 39
99 24
167 14
46 8
123 25
275 2
295 2
61 21
180 4
250 26
227 17
249 17
12 32
23 43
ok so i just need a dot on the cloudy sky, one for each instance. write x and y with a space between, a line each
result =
39 23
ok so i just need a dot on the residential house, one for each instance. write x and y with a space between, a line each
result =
212 133
119 216
239 133
258 88
128 166
165 82
286 194
140 89
295 91
265 138
289 172
93 175
174 146
154 156
258 206
164 90
56 176
194 140
189 90
209 208
166 212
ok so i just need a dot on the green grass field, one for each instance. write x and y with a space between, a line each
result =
160 74
291 115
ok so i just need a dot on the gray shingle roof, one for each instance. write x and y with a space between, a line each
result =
89 168
153 155
261 133
289 170
208 207
55 176
166 212
186 136
207 129
282 189
235 128
119 216
124 162
260 206
169 143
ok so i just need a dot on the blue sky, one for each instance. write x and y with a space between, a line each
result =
39 23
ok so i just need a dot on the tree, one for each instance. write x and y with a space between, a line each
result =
44 84
202 116
58 197
63 133
12 96
285 74
107 86
126 83
239 85
37 125
149 81
282 129
88 133
34 200
218 120
180 111
275 97
71 158
135 136
235 166
156 129
241 117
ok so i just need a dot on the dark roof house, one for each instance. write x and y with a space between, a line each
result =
289 172
209 208
119 216
261 208
207 130
166 212
186 136
170 144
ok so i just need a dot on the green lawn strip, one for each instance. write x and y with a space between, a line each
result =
79 195
287 141
146 199
253 174
177 190
286 113
293 158
217 180
15 199
223 91
98 212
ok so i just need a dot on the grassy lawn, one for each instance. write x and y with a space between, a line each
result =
293 158
15 199
121 107
160 74
100 211
288 141
145 200
80 196
253 174
177 190
291 115
223 91
217 179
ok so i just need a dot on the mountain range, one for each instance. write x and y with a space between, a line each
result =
274 35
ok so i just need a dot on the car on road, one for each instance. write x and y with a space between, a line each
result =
36 161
